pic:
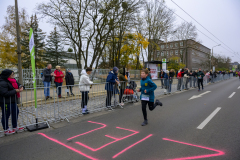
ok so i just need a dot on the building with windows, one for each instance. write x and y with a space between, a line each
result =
193 54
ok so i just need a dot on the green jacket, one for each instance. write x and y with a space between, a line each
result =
122 79
200 73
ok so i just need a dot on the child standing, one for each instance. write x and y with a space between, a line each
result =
84 86
147 95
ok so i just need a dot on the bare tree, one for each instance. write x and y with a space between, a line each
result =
159 23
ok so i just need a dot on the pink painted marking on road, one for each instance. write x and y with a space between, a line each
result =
131 146
103 126
71 148
112 137
219 153
116 139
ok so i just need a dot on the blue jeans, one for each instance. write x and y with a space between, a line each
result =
46 88
7 110
58 88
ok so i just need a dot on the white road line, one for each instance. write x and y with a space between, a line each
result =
205 122
232 95
239 87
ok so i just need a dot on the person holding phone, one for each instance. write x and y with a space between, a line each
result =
58 74
9 94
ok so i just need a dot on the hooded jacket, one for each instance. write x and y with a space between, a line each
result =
111 81
84 83
122 79
150 86
69 79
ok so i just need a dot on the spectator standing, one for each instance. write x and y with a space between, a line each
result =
200 76
194 78
179 77
69 81
191 79
84 86
171 76
166 82
47 79
123 82
150 76
9 93
110 87
58 80
239 75
161 76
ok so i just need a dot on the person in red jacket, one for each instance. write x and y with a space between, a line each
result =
179 77
58 80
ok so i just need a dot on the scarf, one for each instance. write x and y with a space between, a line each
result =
14 84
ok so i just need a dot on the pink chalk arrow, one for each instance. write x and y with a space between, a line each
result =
219 153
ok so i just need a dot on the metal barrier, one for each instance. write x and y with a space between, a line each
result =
71 100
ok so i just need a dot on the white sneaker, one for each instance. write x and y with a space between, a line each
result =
9 132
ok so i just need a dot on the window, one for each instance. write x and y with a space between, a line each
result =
176 61
167 53
158 53
181 51
176 52
167 46
180 60
162 46
171 45
176 45
162 53
171 53
181 43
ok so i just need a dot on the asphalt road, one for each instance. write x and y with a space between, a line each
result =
172 133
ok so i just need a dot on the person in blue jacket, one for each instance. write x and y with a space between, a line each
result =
111 86
147 95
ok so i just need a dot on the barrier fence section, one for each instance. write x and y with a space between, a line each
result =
66 102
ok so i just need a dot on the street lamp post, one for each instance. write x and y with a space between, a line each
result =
212 55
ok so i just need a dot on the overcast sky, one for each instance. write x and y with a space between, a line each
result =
220 17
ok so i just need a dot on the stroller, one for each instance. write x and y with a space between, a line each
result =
130 94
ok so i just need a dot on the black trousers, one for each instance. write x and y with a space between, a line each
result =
85 98
109 98
200 81
70 88
7 110
151 107
120 95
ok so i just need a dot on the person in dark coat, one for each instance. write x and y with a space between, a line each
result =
9 94
69 81
161 76
111 86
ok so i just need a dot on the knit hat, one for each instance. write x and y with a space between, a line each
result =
115 69
167 71
6 73
68 69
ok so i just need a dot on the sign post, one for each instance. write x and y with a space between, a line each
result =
164 64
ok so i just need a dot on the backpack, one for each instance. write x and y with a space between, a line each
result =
42 75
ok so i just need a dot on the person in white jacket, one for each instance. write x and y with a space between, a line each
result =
84 86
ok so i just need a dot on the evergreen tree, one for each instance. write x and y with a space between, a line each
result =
55 53
39 37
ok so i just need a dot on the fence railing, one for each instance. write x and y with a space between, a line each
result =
72 100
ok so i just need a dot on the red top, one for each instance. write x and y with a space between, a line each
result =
58 77
179 75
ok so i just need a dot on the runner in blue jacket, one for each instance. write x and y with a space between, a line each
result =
147 95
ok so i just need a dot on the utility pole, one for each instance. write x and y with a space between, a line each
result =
212 54
18 46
